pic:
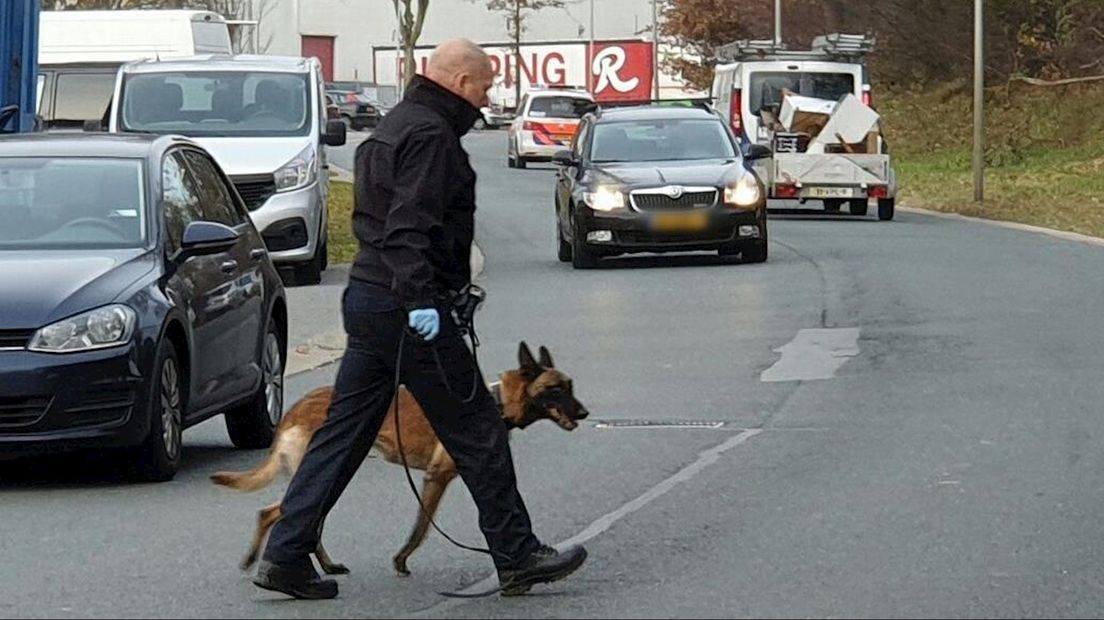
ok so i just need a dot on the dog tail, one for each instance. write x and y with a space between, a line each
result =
253 480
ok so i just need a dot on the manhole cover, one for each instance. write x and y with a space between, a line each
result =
659 424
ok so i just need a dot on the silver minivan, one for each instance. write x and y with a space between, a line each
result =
264 120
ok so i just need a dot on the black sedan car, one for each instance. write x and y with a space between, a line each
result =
355 109
657 179
137 300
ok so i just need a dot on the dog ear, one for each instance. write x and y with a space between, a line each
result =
546 358
527 364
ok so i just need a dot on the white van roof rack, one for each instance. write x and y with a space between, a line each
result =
839 44
834 46
748 47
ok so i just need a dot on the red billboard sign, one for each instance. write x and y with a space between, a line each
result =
622 71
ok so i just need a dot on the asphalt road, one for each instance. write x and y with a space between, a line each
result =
929 445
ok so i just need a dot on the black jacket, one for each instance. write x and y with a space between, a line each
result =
414 212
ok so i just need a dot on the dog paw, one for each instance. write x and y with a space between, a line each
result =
400 567
335 569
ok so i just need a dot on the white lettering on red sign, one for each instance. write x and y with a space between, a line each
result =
607 64
622 71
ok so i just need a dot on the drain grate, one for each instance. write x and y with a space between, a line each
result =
659 424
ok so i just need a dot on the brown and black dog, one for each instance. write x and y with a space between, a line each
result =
536 390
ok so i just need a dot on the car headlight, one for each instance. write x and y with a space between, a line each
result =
604 199
109 326
744 193
301 171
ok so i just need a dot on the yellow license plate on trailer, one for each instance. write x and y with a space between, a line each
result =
831 192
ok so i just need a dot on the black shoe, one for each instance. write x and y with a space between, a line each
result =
298 581
544 565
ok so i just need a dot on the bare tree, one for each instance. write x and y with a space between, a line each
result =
410 30
516 12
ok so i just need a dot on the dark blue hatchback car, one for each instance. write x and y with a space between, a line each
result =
136 300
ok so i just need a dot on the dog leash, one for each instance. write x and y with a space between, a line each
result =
410 477
469 331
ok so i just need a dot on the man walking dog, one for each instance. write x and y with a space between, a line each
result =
414 219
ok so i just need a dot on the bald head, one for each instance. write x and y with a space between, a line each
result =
463 68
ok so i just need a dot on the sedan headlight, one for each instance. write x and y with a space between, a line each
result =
300 172
744 193
109 326
605 199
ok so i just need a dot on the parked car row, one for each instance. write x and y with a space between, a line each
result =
257 114
154 242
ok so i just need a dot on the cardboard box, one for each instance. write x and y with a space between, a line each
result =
851 122
770 121
868 145
805 114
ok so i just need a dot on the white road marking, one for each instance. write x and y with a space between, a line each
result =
603 523
814 354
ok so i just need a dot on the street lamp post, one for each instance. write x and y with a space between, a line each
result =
655 47
979 101
399 61
777 22
590 51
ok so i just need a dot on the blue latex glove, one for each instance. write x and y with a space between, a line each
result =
426 322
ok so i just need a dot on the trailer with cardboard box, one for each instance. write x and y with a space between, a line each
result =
814 110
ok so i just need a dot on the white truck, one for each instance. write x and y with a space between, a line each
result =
751 88
79 53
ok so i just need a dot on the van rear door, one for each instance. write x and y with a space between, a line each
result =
724 97
763 83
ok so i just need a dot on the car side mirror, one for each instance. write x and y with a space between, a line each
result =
758 151
564 158
335 133
205 238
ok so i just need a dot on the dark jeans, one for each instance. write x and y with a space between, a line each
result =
473 433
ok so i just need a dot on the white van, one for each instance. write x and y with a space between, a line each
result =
79 53
264 120
752 82
742 89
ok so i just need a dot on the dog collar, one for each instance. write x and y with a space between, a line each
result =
496 393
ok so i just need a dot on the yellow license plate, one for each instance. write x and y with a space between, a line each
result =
680 222
831 192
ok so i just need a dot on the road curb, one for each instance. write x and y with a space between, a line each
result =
341 174
315 353
1050 232
329 347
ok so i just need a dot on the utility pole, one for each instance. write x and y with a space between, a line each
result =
655 47
979 101
517 55
590 52
777 22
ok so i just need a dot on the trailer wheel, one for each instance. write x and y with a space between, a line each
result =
886 208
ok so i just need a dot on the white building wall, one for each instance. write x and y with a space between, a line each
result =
358 25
